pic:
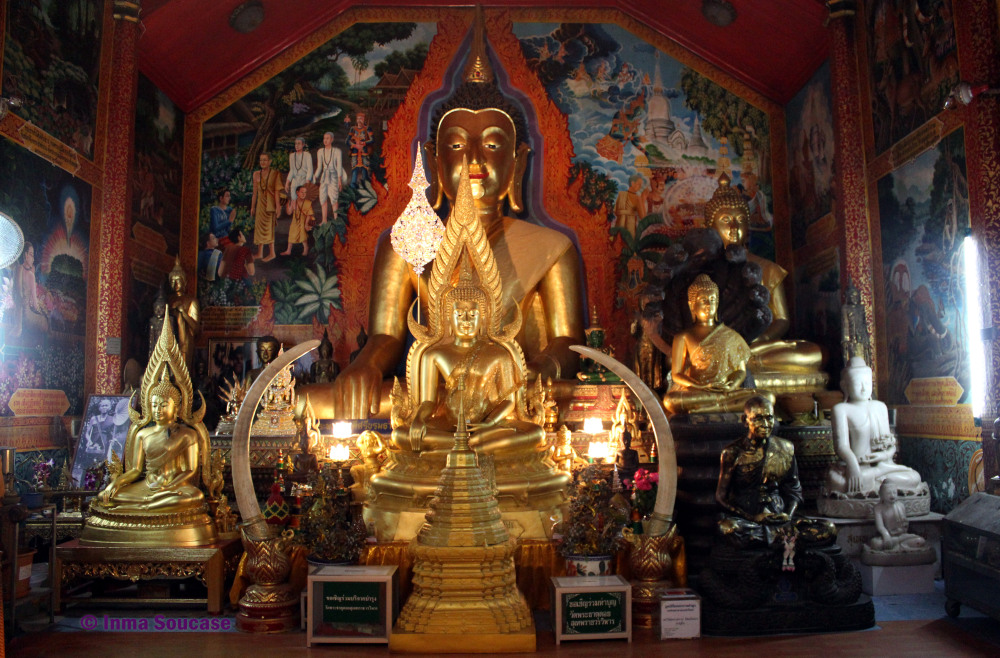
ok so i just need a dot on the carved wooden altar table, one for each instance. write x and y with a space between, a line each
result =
211 565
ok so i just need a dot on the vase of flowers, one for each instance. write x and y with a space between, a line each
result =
593 529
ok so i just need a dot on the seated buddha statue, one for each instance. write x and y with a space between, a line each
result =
539 266
777 364
866 446
709 360
760 490
465 362
156 500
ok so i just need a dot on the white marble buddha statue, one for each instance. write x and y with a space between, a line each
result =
866 446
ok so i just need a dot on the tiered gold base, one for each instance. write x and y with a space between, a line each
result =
109 527
434 643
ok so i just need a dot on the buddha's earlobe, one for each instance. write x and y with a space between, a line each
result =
516 190
437 190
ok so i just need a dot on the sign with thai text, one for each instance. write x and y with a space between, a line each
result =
593 612
352 603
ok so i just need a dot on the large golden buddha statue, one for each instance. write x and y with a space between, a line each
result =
465 362
155 499
538 266
777 364
708 360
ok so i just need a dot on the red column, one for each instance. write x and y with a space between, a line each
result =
849 158
116 208
979 60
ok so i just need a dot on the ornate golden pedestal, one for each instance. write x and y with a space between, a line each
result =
211 565
188 528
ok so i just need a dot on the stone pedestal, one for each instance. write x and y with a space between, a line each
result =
884 581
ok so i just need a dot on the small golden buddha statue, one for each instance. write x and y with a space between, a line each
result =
539 266
268 348
759 487
709 360
776 364
154 498
183 309
373 451
466 362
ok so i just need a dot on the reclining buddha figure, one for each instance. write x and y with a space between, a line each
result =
465 360
777 364
539 266
155 499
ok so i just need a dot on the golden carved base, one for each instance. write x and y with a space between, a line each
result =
437 643
444 577
108 527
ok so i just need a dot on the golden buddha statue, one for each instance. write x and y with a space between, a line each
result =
539 266
709 360
465 342
776 364
183 309
155 498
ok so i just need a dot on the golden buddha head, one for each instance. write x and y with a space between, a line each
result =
468 307
728 214
177 279
164 398
703 300
758 416
479 124
267 349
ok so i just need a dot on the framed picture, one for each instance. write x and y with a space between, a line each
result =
231 357
105 426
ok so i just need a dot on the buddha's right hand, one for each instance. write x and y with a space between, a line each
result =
357 392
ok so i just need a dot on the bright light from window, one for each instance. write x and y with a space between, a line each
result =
974 326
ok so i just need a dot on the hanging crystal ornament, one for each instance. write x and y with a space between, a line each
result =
418 232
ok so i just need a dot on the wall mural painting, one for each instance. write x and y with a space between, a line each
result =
159 143
52 54
43 296
924 215
818 300
809 121
913 64
651 136
282 165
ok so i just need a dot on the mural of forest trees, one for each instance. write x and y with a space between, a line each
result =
51 59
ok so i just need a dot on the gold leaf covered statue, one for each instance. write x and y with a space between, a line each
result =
467 341
777 364
538 267
183 309
709 360
156 500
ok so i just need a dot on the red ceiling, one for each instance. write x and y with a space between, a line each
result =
189 51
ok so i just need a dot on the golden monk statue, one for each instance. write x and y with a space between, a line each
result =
539 266
776 364
709 360
759 487
465 362
183 309
155 499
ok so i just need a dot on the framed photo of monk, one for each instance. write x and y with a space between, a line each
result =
104 428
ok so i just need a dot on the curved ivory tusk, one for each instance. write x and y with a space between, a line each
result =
666 493
246 498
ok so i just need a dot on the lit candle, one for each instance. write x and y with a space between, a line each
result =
598 451
339 452
342 430
593 426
